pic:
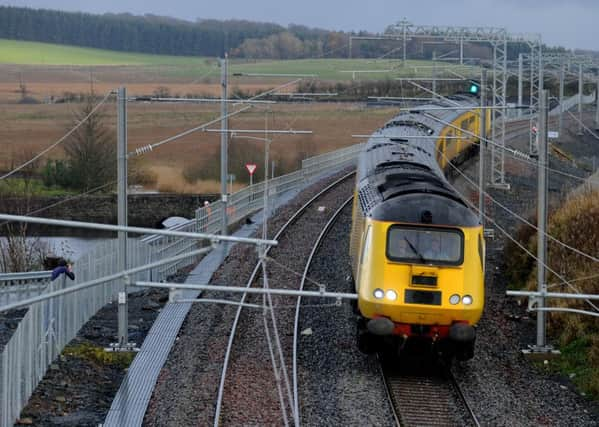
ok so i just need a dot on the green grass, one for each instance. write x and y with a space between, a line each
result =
16 187
34 53
574 363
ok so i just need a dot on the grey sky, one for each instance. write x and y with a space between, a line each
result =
569 23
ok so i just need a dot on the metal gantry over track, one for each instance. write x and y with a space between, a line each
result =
498 40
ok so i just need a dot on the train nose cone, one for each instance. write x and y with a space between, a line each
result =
380 326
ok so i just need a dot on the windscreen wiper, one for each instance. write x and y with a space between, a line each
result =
414 250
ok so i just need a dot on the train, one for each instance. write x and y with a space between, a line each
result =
417 250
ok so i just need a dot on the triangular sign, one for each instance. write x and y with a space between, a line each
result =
251 167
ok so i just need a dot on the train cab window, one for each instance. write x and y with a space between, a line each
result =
423 245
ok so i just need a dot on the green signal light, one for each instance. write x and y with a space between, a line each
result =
473 88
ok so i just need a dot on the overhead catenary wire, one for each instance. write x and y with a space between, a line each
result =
517 155
59 141
583 125
524 220
503 231
150 147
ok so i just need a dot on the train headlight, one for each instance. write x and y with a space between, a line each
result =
378 293
467 300
391 294
454 299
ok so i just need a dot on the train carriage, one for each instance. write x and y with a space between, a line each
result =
417 250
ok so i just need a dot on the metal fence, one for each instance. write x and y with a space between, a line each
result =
48 326
15 287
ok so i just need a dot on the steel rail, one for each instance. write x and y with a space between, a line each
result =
252 279
458 390
319 240
388 391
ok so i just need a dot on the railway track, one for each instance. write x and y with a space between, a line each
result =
256 380
427 398
296 324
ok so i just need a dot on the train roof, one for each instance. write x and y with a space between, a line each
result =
399 161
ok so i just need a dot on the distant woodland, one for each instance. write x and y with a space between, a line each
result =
168 36
205 37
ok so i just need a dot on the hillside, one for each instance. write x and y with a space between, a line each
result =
36 53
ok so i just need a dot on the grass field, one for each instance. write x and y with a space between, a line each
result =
45 54
34 53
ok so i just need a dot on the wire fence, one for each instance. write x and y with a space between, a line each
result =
48 326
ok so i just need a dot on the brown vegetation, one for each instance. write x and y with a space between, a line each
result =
34 127
576 223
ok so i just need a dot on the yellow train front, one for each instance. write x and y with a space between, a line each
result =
417 250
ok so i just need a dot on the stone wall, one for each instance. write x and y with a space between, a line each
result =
145 210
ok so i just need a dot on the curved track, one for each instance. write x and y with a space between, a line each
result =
232 385
296 323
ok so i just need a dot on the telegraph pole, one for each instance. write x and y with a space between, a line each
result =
123 326
481 147
224 136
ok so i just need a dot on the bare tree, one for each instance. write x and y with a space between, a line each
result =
18 251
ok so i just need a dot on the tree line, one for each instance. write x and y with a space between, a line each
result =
208 37
153 34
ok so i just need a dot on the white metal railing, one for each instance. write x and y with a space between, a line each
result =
49 325
18 286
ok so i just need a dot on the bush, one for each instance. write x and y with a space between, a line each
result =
575 223
56 174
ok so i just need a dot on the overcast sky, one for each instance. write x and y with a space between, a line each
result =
569 23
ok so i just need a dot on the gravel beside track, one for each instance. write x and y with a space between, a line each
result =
186 390
338 385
